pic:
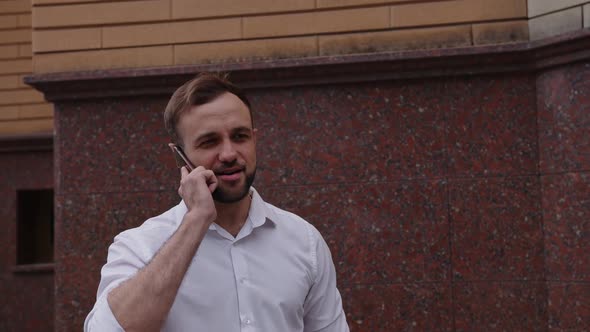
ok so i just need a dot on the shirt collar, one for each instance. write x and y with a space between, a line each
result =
258 215
259 212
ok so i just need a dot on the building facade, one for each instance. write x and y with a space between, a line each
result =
441 147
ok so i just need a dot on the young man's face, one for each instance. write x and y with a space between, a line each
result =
219 136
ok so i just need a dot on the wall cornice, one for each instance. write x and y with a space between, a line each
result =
492 59
26 143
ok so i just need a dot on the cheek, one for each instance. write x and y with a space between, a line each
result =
249 154
204 158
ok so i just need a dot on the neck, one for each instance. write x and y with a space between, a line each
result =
232 216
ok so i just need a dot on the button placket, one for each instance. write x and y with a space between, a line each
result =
247 324
240 267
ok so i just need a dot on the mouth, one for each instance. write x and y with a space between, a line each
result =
230 174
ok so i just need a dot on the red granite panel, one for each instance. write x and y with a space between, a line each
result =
30 170
398 307
26 299
366 132
500 306
76 281
496 229
363 132
27 302
566 212
9 233
114 146
378 233
564 118
569 306
491 126
88 224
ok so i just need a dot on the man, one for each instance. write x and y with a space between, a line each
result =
222 260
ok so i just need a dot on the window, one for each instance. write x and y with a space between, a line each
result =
35 226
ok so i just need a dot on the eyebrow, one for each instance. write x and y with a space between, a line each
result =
214 134
242 128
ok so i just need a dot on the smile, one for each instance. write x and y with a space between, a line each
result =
230 174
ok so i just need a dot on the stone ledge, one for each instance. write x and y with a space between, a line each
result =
26 143
514 57
34 268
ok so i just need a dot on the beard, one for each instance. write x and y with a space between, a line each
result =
222 195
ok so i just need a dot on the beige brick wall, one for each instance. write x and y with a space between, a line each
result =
548 18
73 35
23 110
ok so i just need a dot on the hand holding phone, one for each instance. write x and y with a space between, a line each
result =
180 157
195 189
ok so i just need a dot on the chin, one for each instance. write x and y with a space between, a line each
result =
232 195
229 196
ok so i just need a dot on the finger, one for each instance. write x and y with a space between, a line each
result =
200 169
183 172
212 186
211 180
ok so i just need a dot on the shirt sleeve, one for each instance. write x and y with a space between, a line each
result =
323 305
122 263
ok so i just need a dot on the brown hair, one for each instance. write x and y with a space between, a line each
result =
199 91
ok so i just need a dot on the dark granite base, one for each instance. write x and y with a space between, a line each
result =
399 307
500 306
566 208
497 230
569 306
90 221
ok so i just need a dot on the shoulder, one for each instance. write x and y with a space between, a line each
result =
289 220
295 227
306 236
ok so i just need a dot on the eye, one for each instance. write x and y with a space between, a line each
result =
207 143
240 137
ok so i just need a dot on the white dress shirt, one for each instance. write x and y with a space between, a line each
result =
276 275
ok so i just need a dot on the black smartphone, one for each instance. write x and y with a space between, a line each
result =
180 157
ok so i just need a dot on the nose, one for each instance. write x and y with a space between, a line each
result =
228 153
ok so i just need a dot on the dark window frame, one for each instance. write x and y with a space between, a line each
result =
35 229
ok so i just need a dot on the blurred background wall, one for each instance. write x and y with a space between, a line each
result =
442 147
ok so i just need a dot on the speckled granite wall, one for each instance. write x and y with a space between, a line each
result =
114 172
26 297
564 147
426 192
453 199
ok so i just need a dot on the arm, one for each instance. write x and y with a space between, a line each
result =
323 305
142 302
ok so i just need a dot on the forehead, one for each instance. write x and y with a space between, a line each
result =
224 112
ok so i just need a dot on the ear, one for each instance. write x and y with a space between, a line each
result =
254 134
